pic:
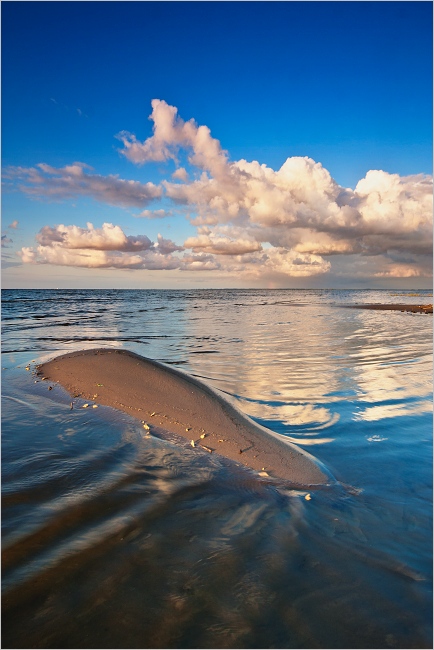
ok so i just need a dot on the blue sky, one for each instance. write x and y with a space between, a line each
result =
343 85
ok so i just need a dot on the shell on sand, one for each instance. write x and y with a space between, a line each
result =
134 384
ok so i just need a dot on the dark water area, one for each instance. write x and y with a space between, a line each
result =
114 540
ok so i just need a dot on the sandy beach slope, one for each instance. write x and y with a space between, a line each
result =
168 400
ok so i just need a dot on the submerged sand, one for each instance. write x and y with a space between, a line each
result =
415 309
167 400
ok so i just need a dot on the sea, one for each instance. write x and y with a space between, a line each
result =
113 540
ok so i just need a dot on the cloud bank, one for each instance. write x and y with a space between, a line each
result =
45 181
106 247
251 220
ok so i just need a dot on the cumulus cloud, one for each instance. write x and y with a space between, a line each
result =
97 259
277 263
280 260
180 174
201 262
107 238
13 225
252 221
78 180
28 255
105 247
166 246
170 133
299 206
220 242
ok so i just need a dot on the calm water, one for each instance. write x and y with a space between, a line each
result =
115 541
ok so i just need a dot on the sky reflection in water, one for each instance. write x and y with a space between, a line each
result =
113 539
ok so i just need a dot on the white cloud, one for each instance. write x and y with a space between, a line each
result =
291 263
77 180
157 261
201 262
278 264
252 221
222 241
27 254
170 133
166 246
97 258
13 225
108 238
301 196
180 174
153 214
396 212
105 247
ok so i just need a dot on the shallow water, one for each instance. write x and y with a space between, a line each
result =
111 540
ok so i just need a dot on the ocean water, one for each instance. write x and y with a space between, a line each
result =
111 540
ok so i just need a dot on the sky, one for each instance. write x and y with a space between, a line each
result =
216 144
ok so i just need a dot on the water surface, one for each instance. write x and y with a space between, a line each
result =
113 540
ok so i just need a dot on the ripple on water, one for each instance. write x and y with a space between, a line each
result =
115 540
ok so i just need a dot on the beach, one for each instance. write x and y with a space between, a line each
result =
166 400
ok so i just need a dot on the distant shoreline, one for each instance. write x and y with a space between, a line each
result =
394 292
415 309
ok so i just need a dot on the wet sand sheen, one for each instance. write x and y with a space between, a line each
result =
169 400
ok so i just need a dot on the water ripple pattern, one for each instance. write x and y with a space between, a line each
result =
116 539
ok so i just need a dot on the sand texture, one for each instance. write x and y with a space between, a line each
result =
169 400
415 309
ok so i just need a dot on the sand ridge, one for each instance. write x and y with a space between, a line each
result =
415 309
162 397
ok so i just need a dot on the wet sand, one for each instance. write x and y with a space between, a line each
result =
167 400
415 309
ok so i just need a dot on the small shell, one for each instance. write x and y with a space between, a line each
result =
85 406
146 426
152 414
192 443
206 449
308 497
94 406
203 435
188 428
263 474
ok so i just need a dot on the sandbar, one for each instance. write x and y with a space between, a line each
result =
415 309
166 399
